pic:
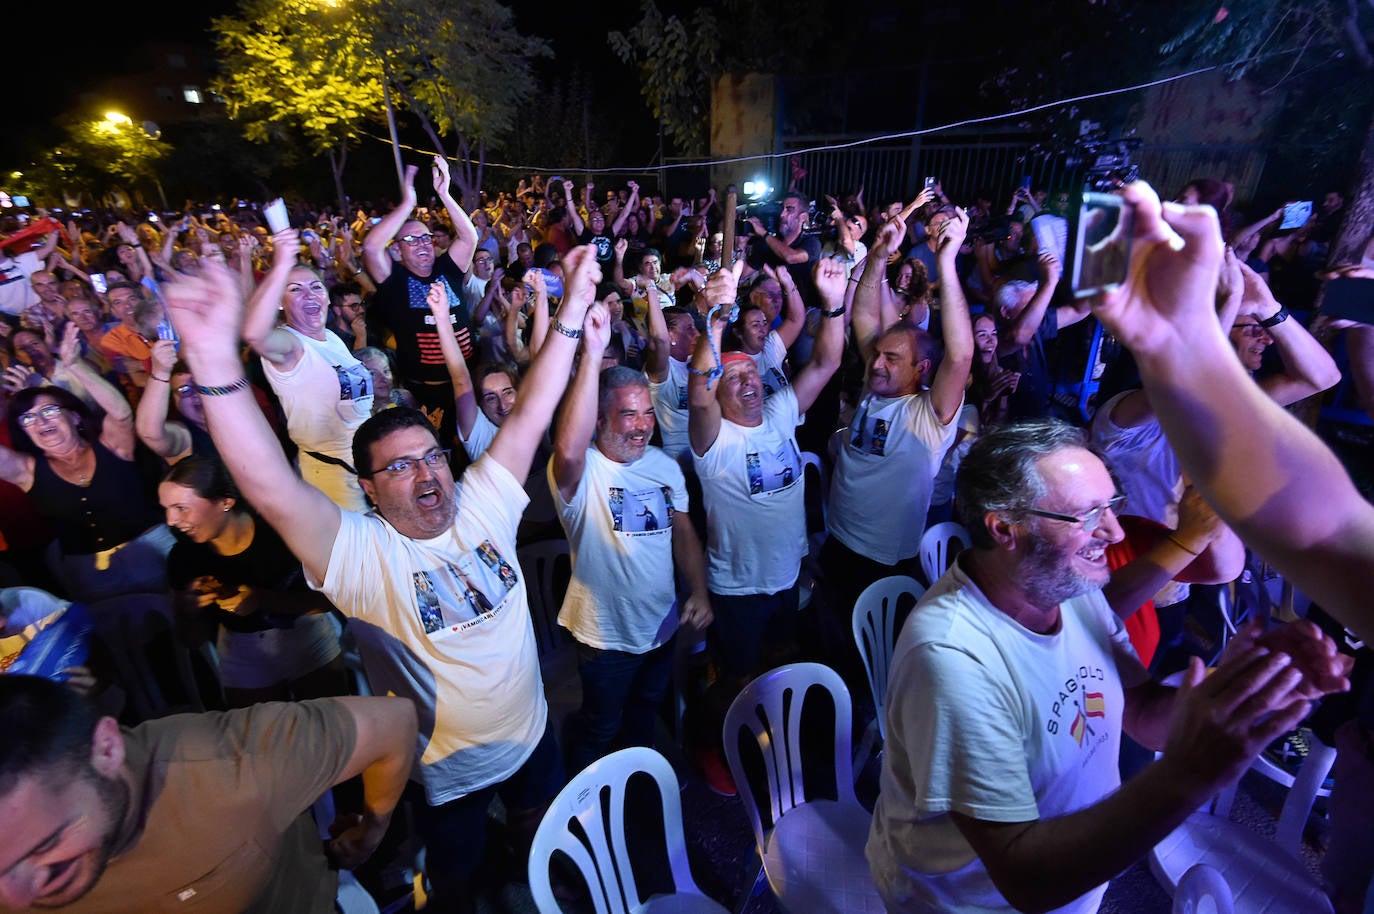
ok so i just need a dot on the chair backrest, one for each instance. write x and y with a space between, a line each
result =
547 567
1297 806
1203 890
813 460
939 545
595 799
770 709
875 632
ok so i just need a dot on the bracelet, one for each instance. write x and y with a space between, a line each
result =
570 332
867 285
838 312
1278 318
1179 543
209 390
135 245
166 380
708 373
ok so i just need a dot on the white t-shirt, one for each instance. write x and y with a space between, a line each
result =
884 473
480 438
770 363
473 290
620 532
445 622
751 484
996 722
325 396
670 408
1144 461
16 292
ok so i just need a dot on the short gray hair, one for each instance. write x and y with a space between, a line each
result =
613 379
999 473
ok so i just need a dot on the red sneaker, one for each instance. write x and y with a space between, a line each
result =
715 772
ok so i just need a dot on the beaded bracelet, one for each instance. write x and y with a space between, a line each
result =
220 391
569 332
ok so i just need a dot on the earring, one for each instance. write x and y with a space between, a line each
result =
226 509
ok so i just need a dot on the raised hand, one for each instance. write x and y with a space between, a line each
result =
18 376
830 278
70 350
439 174
408 186
581 274
164 357
954 231
286 247
1176 254
437 299
723 287
207 309
596 330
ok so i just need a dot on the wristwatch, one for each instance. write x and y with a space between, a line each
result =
1279 317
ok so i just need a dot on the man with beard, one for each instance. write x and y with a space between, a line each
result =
400 302
790 246
1013 679
441 614
623 505
203 811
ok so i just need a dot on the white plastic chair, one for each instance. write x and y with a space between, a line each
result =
938 548
352 898
600 851
875 633
812 849
1203 890
1265 874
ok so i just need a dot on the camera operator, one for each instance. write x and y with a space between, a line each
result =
790 245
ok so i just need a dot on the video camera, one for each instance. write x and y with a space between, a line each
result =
1111 167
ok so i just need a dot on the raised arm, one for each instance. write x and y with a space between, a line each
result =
544 383
1027 322
117 429
1307 367
260 328
867 320
209 309
951 380
1290 500
703 410
577 417
625 210
168 439
829 275
375 257
578 225
464 232
794 309
658 349
539 314
464 400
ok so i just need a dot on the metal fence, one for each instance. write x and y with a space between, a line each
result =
997 166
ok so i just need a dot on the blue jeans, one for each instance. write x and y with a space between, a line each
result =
621 694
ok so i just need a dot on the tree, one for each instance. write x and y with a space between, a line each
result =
462 68
112 150
301 69
1323 42
676 59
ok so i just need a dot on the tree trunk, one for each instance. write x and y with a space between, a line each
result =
464 172
1358 223
337 161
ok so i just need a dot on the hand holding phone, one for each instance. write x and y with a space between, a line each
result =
1102 244
1295 215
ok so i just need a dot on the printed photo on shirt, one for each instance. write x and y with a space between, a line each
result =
773 381
869 436
355 381
772 471
459 594
643 511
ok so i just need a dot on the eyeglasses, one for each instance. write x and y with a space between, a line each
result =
414 240
399 469
1090 520
1251 330
186 390
45 413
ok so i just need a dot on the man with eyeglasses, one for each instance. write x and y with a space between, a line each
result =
1011 684
402 287
430 575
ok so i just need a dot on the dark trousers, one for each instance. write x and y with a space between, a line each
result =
621 695
844 575
455 833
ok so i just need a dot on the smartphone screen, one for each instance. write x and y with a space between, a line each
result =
1102 244
1295 215
99 284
